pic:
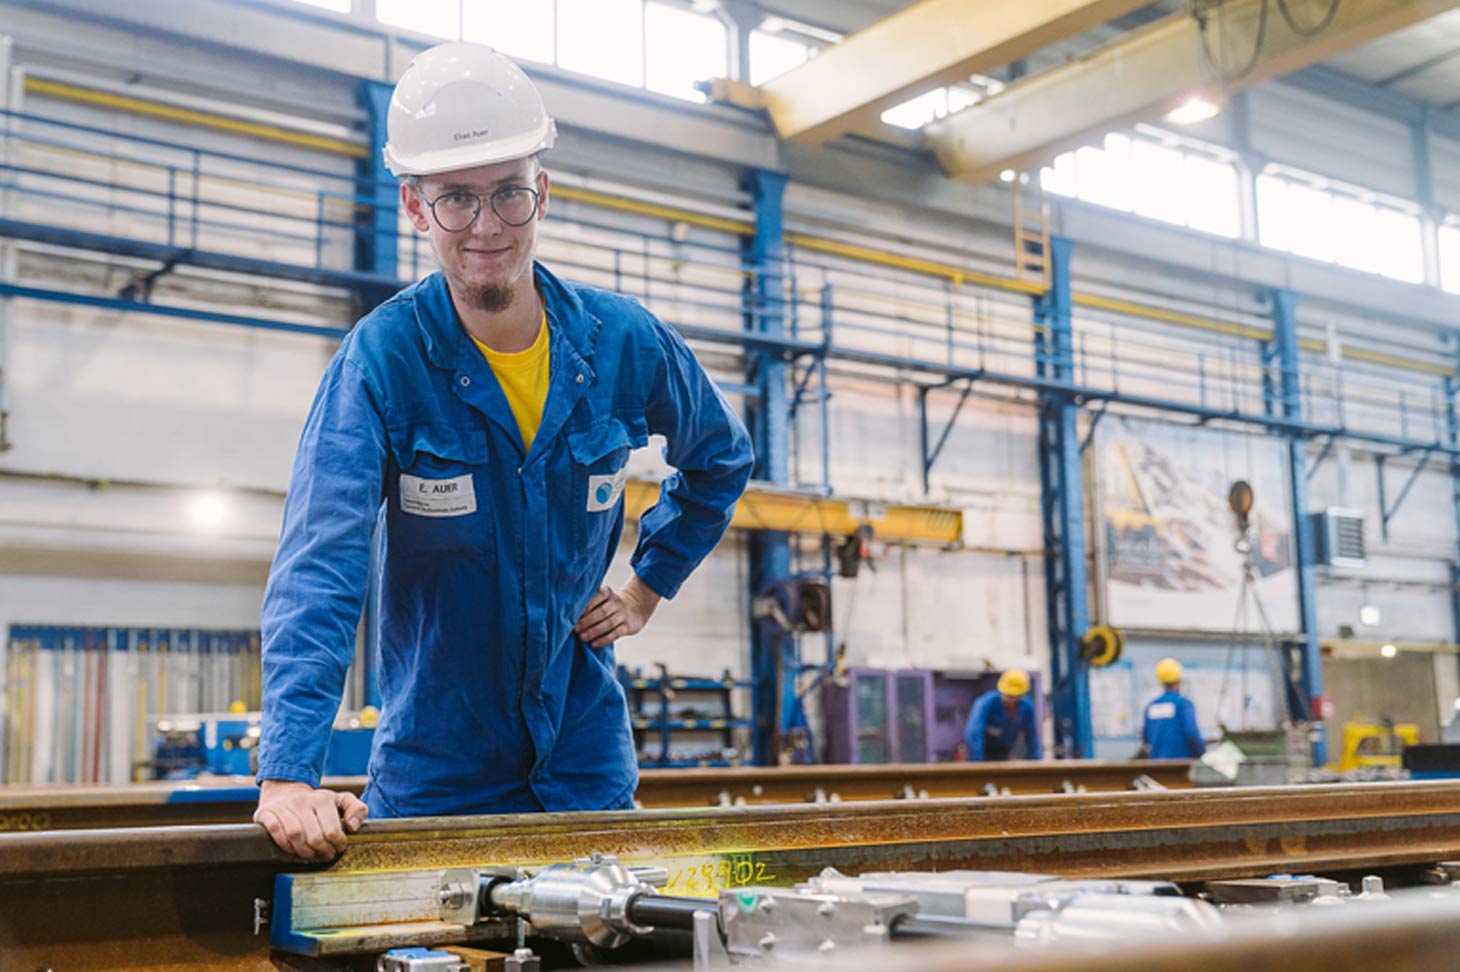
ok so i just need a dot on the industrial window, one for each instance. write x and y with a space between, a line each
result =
1313 217
940 103
683 47
1156 175
773 54
1450 255
604 38
439 18
518 28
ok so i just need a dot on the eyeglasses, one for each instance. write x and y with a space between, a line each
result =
456 209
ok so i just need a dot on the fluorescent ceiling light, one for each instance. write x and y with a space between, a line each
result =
1193 110
1389 651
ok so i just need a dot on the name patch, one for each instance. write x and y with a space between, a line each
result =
1161 710
604 491
437 497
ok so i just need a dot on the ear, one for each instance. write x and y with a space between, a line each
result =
543 187
415 208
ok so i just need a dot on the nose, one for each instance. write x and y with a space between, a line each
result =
487 224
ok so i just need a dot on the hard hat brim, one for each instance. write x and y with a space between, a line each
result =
471 156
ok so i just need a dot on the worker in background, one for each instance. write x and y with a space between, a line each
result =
1169 730
483 417
1001 720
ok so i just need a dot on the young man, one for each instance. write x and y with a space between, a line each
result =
1169 730
1000 719
483 418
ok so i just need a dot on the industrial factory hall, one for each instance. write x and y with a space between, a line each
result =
921 485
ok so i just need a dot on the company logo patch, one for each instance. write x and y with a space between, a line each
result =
604 491
437 497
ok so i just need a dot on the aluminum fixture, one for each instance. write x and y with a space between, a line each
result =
1145 74
932 43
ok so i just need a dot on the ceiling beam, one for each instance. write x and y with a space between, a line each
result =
1146 74
932 43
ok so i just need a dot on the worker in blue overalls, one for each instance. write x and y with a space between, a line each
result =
482 418
1001 723
1169 730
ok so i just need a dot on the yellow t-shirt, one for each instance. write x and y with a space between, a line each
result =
523 376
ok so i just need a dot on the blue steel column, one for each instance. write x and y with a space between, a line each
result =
1062 504
376 236
1285 346
774 661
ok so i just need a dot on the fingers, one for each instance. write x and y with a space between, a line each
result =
596 628
620 630
352 810
605 604
307 822
327 837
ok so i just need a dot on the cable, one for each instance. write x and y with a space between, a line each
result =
1259 42
1313 31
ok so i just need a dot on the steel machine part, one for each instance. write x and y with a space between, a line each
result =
593 901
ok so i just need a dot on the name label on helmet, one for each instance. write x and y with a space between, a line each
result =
468 136
438 497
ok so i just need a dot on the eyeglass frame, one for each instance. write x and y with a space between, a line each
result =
490 202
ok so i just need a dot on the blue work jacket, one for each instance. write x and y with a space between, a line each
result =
992 734
1169 730
489 555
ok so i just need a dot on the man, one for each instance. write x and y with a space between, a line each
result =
483 418
1169 730
1002 718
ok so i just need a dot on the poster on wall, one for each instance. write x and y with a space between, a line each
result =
1167 539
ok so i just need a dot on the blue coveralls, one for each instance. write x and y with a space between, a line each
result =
990 733
490 704
1169 730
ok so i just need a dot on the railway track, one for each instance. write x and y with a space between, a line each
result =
232 800
188 898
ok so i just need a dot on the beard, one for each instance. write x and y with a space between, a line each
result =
491 297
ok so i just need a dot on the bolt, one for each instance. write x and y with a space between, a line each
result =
1373 884
767 941
826 910
767 905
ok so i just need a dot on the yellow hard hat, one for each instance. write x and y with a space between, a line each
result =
1168 670
1014 682
237 706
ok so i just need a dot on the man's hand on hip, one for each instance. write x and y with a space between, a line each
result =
612 615
307 822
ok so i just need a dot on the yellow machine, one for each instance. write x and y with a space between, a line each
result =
1368 744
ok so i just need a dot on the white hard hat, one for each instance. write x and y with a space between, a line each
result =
461 105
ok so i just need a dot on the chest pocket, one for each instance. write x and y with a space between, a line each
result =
439 498
600 456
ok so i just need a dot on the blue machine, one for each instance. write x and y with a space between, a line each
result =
226 743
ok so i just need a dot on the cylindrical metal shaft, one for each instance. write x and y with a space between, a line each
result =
662 911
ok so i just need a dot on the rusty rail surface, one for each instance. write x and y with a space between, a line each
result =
232 800
169 898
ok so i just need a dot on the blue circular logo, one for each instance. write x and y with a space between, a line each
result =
605 493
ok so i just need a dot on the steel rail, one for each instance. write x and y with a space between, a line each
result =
165 898
232 799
